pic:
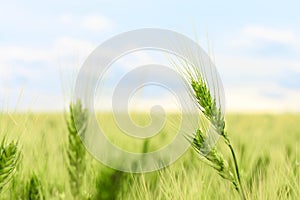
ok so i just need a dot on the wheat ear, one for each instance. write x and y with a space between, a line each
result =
9 160
208 106
76 151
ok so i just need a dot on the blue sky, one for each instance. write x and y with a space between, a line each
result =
256 46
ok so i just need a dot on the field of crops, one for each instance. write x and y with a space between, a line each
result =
267 147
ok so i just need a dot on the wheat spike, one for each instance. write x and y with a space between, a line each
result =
76 151
9 160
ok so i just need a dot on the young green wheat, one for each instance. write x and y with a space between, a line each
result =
9 159
76 151
34 189
206 102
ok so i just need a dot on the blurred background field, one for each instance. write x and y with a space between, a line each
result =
267 145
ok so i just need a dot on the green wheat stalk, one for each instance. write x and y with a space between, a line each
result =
9 160
34 189
76 151
199 90
109 183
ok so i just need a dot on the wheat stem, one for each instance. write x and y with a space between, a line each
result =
241 191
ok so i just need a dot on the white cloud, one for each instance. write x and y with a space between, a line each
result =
96 23
139 58
24 66
251 36
255 82
92 22
251 84
274 35
260 98
66 18
22 53
250 96
63 48
230 64
66 48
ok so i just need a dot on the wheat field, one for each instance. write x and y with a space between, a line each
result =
267 147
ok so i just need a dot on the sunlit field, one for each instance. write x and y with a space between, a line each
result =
267 147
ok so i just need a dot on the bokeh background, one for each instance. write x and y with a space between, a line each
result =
255 45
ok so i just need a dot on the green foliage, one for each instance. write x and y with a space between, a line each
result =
145 146
34 189
273 137
110 181
108 184
258 171
9 159
76 150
